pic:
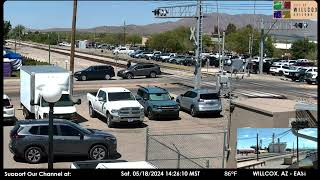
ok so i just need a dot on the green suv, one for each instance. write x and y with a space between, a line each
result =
157 103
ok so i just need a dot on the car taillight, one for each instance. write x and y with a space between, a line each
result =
16 136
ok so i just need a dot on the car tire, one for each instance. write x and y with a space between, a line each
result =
280 73
92 113
107 77
153 74
109 122
150 114
193 111
129 76
98 152
83 78
33 155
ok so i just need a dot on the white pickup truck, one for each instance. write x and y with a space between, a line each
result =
116 104
122 50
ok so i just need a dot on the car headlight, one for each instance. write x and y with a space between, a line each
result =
114 111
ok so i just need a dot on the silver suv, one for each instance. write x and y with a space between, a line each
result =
200 101
29 140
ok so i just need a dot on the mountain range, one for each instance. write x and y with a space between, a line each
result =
210 20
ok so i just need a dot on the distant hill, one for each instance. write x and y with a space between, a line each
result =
239 20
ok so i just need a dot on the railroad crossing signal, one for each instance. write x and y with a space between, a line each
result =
192 37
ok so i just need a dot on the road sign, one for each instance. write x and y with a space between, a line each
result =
192 30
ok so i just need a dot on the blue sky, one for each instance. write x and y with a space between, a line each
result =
49 14
247 137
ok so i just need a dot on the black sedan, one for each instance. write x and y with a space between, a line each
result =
95 73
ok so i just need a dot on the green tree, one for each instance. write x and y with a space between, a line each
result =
301 48
6 28
19 31
134 39
269 48
231 28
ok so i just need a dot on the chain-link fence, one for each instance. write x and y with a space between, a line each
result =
186 150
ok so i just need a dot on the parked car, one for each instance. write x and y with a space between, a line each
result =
303 64
132 54
149 55
291 70
301 74
140 69
177 59
278 69
157 102
116 104
166 56
29 140
140 54
122 50
8 110
200 101
189 61
95 72
312 76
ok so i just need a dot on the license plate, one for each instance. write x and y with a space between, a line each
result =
130 120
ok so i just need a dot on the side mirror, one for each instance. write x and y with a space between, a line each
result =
172 98
181 94
78 102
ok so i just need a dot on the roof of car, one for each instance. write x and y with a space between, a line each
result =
42 121
204 91
154 89
115 89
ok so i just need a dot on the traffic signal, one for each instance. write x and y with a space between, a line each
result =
160 12
301 25
299 124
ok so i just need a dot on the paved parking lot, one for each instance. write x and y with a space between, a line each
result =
131 139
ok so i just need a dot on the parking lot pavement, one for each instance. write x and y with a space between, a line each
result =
131 139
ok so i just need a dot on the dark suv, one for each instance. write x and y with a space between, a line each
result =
140 69
95 72
157 102
29 140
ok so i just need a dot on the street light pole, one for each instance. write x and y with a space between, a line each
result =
257 147
50 151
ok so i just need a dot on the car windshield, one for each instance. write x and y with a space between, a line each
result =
159 97
285 67
302 70
209 96
64 101
6 102
89 69
120 96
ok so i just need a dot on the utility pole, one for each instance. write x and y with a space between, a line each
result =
223 39
198 45
124 33
187 11
297 148
73 36
261 48
250 56
49 46
257 147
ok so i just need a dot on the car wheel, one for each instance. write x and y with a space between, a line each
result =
107 77
193 111
129 76
109 122
33 155
98 152
153 75
91 112
83 78
150 114
280 73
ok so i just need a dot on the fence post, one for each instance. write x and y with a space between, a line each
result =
207 164
224 147
178 165
147 142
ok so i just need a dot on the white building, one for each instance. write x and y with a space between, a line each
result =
282 45
279 147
